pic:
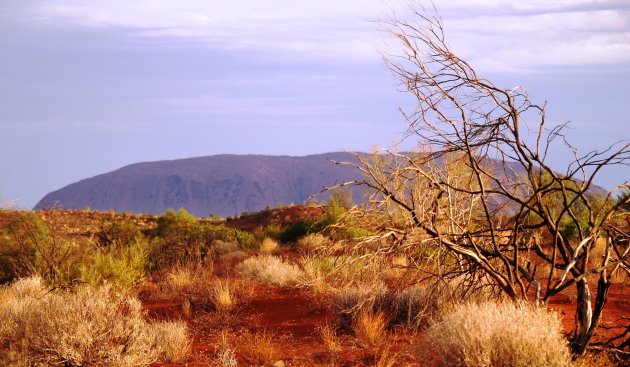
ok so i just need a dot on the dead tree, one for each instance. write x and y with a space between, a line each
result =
480 187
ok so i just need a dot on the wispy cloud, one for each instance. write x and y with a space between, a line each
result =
493 34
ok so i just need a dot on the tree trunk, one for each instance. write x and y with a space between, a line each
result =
583 318
582 341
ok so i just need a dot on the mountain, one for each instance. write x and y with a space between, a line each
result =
224 185
221 184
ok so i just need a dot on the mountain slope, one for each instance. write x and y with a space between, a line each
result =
221 184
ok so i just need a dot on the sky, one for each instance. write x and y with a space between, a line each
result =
88 86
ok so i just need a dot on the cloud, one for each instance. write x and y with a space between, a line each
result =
492 34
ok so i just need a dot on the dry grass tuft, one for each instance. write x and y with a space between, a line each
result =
328 334
349 301
268 246
82 327
499 334
369 328
260 349
171 341
312 242
189 282
223 296
270 270
385 357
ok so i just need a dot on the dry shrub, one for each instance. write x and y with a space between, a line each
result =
328 334
222 247
82 327
312 242
499 334
260 349
415 307
591 359
349 301
270 270
369 327
318 275
268 246
171 341
189 281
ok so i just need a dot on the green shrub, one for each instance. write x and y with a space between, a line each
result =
499 334
120 266
180 238
46 249
293 232
226 234
120 232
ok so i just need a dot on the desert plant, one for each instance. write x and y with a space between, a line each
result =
369 327
50 249
385 357
179 238
270 270
268 246
190 281
122 266
349 301
82 326
226 357
480 186
416 306
328 334
171 341
312 242
499 334
261 348
222 296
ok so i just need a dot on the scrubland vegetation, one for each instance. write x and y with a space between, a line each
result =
470 251
152 303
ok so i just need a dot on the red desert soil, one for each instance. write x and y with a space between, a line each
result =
287 313
293 317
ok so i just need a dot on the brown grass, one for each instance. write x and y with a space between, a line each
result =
260 348
223 297
328 334
82 327
268 246
499 334
270 270
369 328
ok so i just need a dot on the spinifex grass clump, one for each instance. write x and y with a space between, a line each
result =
499 334
82 327
270 270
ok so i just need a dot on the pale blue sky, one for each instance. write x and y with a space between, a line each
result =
89 86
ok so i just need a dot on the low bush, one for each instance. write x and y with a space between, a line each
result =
416 307
122 266
293 232
82 327
349 301
50 249
499 334
270 270
180 238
